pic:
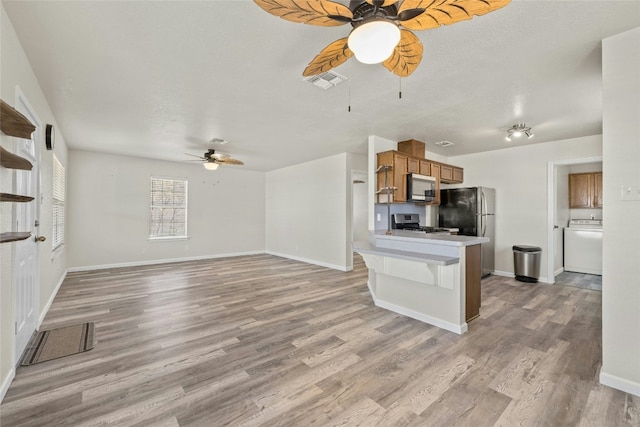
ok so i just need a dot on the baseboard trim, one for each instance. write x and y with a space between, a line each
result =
6 383
620 383
513 276
159 261
310 261
51 298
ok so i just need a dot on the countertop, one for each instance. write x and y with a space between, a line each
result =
433 238
368 248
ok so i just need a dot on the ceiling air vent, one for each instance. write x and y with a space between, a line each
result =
325 80
444 143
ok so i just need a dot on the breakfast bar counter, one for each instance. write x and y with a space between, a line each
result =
431 277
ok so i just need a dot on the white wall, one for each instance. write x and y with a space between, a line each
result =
16 72
307 213
519 175
621 246
108 211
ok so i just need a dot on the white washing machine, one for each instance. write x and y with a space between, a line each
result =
583 246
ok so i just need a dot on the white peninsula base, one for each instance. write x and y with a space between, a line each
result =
436 280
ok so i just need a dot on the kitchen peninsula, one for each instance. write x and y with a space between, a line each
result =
431 277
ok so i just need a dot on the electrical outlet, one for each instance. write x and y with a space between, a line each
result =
630 192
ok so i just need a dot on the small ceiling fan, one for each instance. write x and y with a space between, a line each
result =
212 160
380 27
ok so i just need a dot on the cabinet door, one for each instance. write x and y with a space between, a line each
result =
446 173
458 175
400 177
597 190
413 165
435 172
384 159
425 168
580 193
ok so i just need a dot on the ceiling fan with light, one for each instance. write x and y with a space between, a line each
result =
212 160
381 28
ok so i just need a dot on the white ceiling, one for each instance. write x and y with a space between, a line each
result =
157 79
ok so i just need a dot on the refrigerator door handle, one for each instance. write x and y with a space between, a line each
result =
483 220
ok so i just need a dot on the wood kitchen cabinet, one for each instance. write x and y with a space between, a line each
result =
451 174
402 163
458 175
425 167
435 172
396 177
413 165
585 190
473 278
597 190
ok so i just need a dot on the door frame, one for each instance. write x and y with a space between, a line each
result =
551 206
362 175
23 105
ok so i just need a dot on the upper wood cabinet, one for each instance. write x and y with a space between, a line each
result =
401 164
597 190
413 165
436 171
425 167
458 175
396 177
585 190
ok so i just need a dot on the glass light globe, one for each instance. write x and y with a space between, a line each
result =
211 166
374 42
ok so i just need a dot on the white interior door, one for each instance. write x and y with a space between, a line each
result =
25 268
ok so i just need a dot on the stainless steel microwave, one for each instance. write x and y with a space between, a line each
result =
420 188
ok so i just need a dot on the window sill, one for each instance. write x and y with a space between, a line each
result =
167 238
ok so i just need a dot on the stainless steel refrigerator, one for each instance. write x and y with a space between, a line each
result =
472 211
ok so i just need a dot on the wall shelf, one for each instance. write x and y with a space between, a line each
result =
12 161
8 197
13 123
13 237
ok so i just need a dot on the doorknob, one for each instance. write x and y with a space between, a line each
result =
40 239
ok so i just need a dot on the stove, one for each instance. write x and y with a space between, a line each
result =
411 222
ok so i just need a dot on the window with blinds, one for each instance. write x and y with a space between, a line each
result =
168 215
57 203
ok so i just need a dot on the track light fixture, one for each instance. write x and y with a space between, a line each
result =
517 131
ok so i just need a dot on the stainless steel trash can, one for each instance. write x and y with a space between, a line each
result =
526 262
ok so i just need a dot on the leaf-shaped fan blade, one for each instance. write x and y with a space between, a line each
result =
446 12
193 155
230 161
382 3
313 12
407 55
330 57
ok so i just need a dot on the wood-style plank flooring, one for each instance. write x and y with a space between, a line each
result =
262 340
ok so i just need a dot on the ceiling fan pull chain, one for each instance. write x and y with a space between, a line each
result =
400 88
349 107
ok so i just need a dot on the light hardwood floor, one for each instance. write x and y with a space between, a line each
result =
262 340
